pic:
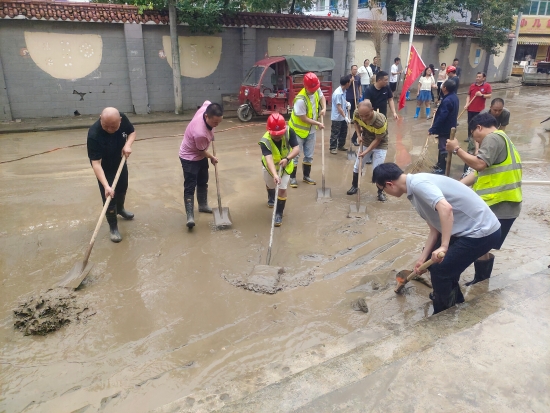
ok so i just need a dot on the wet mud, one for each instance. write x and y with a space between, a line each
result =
176 310
49 311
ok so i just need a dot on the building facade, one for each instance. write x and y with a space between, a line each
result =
534 33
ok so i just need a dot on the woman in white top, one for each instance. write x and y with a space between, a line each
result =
365 72
425 85
441 78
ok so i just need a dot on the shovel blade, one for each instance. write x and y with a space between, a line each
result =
323 193
357 212
222 220
351 154
76 275
401 278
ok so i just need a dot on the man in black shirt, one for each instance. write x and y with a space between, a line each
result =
380 94
110 138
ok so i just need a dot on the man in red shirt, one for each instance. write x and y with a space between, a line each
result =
478 93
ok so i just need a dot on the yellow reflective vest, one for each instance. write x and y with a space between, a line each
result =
501 182
277 155
302 128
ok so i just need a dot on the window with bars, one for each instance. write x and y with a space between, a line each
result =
537 8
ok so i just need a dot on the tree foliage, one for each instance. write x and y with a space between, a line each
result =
496 16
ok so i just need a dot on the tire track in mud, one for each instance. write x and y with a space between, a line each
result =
363 259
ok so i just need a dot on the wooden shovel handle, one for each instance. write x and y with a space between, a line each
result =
103 211
466 108
450 154
424 267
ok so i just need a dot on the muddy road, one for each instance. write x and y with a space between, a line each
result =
168 320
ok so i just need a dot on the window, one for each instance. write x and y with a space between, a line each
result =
537 8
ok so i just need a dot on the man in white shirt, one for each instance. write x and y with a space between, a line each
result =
339 116
394 74
366 74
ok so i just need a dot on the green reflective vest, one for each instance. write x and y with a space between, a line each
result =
501 182
302 128
277 155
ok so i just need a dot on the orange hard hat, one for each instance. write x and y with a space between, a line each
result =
311 82
451 69
276 124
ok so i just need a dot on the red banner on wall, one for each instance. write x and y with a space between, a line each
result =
416 66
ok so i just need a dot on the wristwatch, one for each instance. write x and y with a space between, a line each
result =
455 150
288 160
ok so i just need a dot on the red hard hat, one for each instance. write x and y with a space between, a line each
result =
451 69
276 124
311 82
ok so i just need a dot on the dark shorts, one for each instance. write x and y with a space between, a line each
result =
393 86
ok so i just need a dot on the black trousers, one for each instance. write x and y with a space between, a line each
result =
338 133
121 186
195 173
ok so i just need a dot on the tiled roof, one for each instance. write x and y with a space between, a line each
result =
118 13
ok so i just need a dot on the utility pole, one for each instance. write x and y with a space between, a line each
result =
176 72
352 34
512 48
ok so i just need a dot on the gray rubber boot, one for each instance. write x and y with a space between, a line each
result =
354 183
483 270
113 226
190 213
293 181
270 198
381 195
306 169
279 211
120 198
202 199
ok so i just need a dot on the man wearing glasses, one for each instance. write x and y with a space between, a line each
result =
461 224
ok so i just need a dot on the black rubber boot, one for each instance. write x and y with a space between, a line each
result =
381 195
354 183
293 181
483 270
190 213
120 198
279 211
202 199
354 139
270 198
113 227
439 168
306 169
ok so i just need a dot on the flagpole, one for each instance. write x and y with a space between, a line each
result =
411 34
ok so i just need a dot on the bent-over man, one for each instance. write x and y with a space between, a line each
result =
372 127
461 226
109 139
279 146
194 158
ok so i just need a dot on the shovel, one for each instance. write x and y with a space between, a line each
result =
269 271
82 268
221 215
357 209
450 154
404 276
351 153
323 192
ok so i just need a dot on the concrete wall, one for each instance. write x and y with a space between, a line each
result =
128 65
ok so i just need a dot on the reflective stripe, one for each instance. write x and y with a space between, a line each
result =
302 128
502 182
497 189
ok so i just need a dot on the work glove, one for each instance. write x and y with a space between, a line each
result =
348 105
348 120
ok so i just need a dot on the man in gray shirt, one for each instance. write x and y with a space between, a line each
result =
501 114
462 226
497 181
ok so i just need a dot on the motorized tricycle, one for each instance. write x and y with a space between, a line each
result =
272 84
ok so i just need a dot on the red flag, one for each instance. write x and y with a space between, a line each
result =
415 68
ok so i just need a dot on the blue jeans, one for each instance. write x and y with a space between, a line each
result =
307 147
364 90
462 252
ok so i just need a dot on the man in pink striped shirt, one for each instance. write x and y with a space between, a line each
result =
194 157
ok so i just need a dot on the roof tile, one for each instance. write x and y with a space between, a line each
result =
119 13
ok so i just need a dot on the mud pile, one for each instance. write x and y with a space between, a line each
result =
269 281
49 311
